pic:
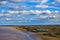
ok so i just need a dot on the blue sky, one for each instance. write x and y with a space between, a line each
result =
25 12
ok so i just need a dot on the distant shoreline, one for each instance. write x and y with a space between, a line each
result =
26 25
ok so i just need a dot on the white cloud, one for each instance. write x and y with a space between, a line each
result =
25 12
12 12
38 12
48 11
35 12
33 0
30 12
1 15
43 1
41 6
54 2
56 11
51 15
16 0
3 2
14 7
57 1
18 7
43 16
54 16
7 14
8 19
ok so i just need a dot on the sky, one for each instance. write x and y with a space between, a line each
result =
29 12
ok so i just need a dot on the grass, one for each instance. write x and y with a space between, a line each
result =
58 36
49 38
